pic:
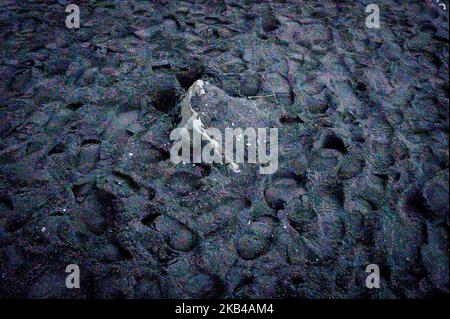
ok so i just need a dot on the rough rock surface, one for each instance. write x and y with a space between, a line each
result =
86 178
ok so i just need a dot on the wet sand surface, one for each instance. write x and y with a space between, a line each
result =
85 170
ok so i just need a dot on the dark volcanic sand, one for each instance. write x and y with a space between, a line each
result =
86 178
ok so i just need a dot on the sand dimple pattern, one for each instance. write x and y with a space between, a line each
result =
85 170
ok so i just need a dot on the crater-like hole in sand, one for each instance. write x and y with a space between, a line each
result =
186 77
332 142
